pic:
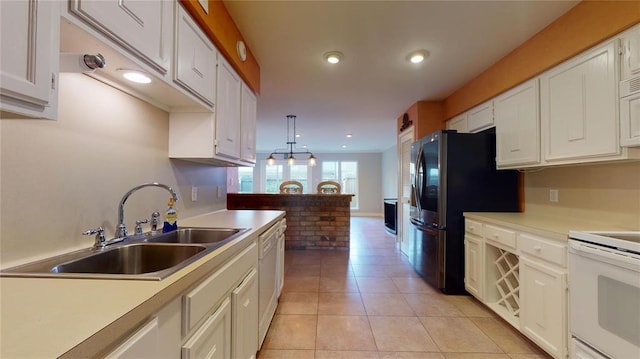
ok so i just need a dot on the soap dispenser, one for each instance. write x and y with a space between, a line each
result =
170 218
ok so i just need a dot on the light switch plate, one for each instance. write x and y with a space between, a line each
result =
194 193
553 195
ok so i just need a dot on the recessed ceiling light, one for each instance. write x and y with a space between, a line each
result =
344 146
298 135
333 57
417 57
135 76
349 135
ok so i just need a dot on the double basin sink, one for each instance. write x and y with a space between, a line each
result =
146 256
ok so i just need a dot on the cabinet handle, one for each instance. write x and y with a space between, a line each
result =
472 228
537 248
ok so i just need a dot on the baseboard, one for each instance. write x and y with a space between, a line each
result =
366 214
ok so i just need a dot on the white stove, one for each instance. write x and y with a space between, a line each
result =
604 294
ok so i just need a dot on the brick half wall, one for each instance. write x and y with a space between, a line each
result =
314 221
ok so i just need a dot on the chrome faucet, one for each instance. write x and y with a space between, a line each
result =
121 229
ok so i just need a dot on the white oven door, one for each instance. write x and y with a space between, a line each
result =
604 295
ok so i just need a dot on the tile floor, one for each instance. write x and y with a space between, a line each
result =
369 303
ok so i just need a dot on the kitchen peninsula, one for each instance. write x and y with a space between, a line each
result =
313 220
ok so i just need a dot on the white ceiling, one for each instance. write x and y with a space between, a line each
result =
374 84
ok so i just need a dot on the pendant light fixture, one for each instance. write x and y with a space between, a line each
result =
290 151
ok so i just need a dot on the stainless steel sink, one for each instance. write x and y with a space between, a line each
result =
131 259
149 256
191 235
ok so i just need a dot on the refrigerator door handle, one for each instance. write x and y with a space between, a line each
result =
419 179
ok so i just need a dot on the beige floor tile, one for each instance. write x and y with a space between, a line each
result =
299 270
301 284
530 356
335 270
413 284
386 304
507 339
470 306
370 270
475 356
401 334
351 354
286 354
298 303
340 304
338 284
344 333
376 285
291 332
335 257
410 355
432 305
453 334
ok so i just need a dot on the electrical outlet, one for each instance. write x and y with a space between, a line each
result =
194 193
553 195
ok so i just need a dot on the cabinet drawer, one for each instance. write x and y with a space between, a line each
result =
500 235
212 340
544 249
198 302
473 227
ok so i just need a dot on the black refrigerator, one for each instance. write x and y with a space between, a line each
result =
454 173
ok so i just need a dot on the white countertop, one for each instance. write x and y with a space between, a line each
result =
47 317
553 227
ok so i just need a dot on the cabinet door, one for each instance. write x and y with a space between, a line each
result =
159 338
458 123
480 117
244 306
630 64
517 120
228 111
213 339
579 107
195 59
473 266
248 125
630 120
544 306
29 33
143 27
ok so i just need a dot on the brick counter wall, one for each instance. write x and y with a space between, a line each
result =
313 220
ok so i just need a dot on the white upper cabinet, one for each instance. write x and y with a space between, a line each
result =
480 117
458 123
248 125
29 58
579 107
196 59
228 111
143 27
630 52
517 120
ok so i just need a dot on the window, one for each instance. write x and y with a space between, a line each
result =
345 173
281 171
245 179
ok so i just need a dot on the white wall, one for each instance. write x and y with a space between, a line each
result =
369 182
62 177
390 172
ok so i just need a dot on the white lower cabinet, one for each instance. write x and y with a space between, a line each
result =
158 338
544 311
244 314
522 278
213 339
473 265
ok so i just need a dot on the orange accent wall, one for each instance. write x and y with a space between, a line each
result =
582 27
427 117
224 33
